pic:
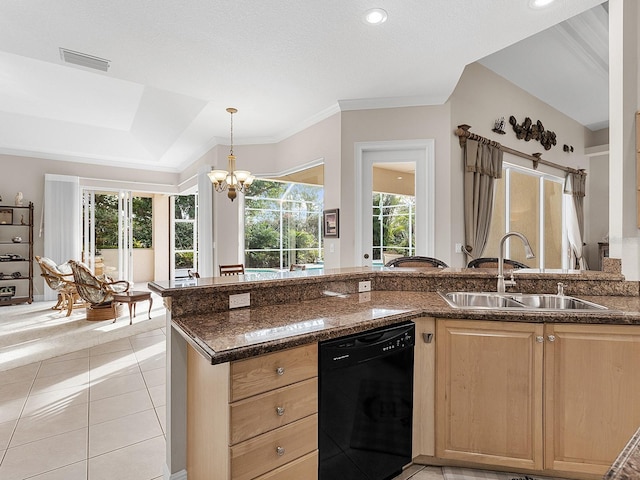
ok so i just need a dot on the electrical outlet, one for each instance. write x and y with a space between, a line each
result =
240 300
458 248
364 286
364 297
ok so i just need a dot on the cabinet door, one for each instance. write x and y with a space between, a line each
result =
489 392
592 387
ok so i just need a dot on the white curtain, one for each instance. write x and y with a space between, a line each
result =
61 221
574 185
205 223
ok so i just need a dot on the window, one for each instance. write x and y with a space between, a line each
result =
531 203
106 221
185 234
283 224
394 219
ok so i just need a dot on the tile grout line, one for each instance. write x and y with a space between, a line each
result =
155 409
15 427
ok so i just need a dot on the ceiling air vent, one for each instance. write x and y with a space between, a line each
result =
84 60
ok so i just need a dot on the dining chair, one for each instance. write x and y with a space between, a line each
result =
237 269
492 262
416 262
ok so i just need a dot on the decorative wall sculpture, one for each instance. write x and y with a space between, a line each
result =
498 126
528 130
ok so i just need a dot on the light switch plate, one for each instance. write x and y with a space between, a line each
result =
240 300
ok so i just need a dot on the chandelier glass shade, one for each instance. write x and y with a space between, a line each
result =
232 181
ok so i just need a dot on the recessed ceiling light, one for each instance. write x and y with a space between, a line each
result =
375 16
540 3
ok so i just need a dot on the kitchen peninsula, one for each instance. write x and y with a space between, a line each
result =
291 311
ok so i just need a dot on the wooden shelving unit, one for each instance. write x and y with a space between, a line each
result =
16 258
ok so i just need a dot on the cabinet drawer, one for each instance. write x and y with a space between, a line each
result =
304 468
274 370
274 449
259 414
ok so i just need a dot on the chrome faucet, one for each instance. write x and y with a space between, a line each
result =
527 250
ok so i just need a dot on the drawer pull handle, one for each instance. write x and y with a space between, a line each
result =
280 411
280 451
280 370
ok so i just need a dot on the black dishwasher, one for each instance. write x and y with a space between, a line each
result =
366 404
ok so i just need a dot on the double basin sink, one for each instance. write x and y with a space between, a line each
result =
518 301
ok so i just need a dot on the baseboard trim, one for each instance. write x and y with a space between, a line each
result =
181 475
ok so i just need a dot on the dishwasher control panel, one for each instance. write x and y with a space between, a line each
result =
364 346
403 341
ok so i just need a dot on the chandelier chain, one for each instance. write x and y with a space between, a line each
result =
231 149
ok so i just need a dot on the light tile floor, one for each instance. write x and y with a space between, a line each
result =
94 414
420 472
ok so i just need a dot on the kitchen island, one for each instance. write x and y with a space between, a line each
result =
291 310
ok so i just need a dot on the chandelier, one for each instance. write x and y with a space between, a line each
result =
233 180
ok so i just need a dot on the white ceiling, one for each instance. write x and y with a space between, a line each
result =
566 66
177 64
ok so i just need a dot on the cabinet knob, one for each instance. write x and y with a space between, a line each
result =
280 451
279 411
280 370
539 339
552 338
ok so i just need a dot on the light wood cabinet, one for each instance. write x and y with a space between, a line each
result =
254 418
592 388
489 393
424 381
495 380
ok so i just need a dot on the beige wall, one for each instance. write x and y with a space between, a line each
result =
597 206
26 174
319 142
479 98
411 123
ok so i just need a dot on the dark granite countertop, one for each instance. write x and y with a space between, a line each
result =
627 465
275 278
240 333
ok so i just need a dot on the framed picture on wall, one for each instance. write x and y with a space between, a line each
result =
6 216
331 223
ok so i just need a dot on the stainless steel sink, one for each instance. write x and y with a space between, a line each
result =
555 302
480 300
517 301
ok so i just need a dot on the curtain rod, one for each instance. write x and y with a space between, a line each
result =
463 132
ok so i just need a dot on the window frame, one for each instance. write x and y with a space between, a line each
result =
284 207
509 167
